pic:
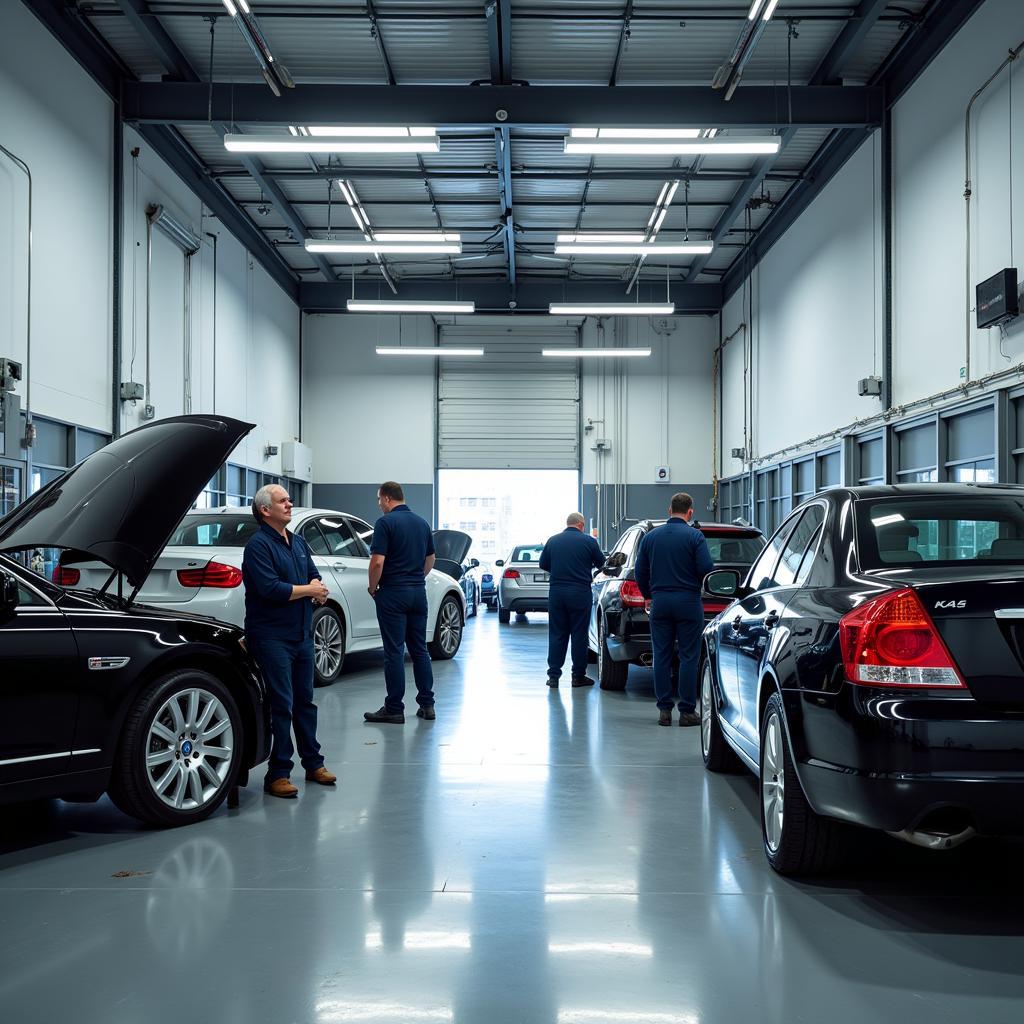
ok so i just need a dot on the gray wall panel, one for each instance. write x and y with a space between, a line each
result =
361 499
644 501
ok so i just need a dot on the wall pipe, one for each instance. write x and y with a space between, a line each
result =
29 429
116 275
1007 61
887 267
210 234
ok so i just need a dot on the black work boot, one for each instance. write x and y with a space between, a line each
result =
665 717
383 715
689 718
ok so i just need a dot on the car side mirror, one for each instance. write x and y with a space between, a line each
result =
474 563
499 563
723 583
8 594
615 560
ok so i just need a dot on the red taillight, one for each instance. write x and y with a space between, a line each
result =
714 607
510 574
65 577
892 641
630 594
213 574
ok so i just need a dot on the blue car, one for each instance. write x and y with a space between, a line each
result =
488 590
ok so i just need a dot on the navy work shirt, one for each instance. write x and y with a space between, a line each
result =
270 568
570 557
404 539
673 558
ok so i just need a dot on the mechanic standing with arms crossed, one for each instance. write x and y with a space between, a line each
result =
571 558
670 569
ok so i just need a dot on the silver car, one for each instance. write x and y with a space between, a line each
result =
523 586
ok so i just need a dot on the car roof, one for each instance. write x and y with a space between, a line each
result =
245 510
752 531
923 490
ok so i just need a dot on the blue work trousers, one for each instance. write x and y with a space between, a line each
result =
677 618
569 608
287 668
402 616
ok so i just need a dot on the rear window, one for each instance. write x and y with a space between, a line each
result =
527 553
734 550
214 531
939 530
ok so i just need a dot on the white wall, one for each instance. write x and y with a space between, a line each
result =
818 296
55 118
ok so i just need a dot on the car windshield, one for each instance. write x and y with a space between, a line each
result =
214 531
527 553
732 549
936 529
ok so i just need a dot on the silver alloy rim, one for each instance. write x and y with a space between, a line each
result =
450 627
190 749
705 709
773 783
328 645
600 650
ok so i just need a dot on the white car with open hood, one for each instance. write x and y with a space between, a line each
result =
200 571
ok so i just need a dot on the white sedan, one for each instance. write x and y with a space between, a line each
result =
200 571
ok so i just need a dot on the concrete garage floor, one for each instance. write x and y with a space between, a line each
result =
531 856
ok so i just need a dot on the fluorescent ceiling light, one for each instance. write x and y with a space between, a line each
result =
634 133
244 6
231 8
330 144
594 353
612 308
373 246
750 145
362 131
635 248
417 236
410 350
754 8
391 306
598 236
770 9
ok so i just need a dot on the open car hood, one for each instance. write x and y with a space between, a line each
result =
122 503
450 548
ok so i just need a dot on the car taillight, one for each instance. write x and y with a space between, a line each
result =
213 574
892 641
510 574
630 594
714 607
65 577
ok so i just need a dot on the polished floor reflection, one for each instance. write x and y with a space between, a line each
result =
532 857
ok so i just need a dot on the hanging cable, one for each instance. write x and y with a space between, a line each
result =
1009 140
209 90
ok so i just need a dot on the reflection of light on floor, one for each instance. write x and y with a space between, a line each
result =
580 897
423 940
616 948
337 1011
625 1017
598 888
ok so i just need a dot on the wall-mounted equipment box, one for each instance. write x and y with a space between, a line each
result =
869 387
10 425
996 299
297 460
662 475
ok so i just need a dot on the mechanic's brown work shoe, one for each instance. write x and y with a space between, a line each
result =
665 717
579 681
282 788
322 775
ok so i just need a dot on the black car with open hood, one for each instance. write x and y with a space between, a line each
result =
163 710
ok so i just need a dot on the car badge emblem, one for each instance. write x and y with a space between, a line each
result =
950 604
186 748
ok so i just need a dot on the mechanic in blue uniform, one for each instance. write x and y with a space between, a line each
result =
571 558
281 586
401 556
670 568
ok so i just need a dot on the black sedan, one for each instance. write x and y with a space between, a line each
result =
620 631
165 711
871 670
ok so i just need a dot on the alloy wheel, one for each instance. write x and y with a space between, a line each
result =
190 749
705 709
450 627
327 646
773 783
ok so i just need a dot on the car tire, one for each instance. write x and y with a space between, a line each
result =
714 748
447 631
328 646
611 675
163 773
797 841
504 615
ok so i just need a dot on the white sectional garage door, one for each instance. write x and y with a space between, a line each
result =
511 408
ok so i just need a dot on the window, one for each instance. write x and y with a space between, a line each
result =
916 458
10 488
88 441
311 534
364 531
490 503
870 461
214 531
803 481
527 553
762 501
761 575
628 544
799 540
733 548
946 530
27 597
342 543
970 446
829 467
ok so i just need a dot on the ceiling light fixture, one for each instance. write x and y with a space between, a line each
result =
410 350
612 308
262 143
395 306
770 9
755 7
374 246
607 245
594 353
363 131
634 133
749 145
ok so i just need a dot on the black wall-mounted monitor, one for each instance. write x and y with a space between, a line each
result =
997 299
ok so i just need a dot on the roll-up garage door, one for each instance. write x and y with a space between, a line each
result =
510 408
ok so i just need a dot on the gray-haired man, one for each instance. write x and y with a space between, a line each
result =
281 586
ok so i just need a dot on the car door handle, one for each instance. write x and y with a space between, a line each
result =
771 620
737 622
338 566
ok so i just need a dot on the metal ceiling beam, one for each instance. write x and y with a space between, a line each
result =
480 173
556 107
620 50
499 47
533 293
853 33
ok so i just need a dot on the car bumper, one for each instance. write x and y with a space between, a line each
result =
895 764
525 603
634 650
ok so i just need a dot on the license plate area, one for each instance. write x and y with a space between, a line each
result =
540 577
